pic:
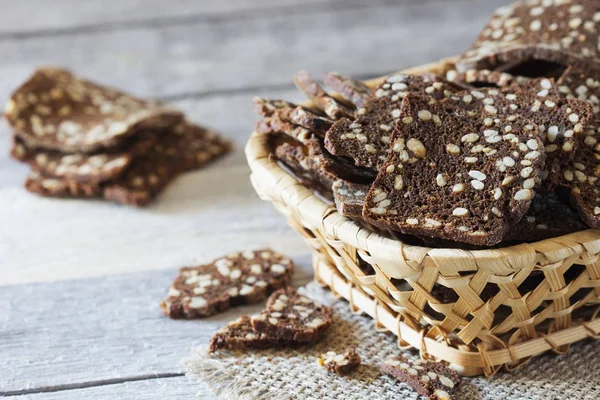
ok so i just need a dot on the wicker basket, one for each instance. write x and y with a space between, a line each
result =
507 305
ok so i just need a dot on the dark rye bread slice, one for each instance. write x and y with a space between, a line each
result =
342 363
580 180
307 119
559 120
275 124
294 317
452 176
55 110
574 84
548 217
332 107
238 278
349 197
282 113
366 139
294 156
239 335
267 107
82 167
473 78
562 32
434 380
59 187
186 147
352 90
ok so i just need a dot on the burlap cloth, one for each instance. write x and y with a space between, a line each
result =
295 374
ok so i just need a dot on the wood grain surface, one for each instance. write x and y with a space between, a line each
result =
80 281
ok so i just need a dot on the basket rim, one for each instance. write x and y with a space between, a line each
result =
272 182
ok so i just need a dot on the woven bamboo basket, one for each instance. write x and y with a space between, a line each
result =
502 306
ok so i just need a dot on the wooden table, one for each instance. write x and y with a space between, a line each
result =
81 280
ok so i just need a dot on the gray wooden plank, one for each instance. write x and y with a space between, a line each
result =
266 50
201 215
151 389
162 388
90 330
56 16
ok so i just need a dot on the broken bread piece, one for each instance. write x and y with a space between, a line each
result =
434 380
342 363
56 110
453 176
349 197
294 317
239 335
238 278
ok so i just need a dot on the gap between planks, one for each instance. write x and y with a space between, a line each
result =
90 384
154 22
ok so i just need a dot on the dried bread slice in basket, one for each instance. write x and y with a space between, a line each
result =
442 178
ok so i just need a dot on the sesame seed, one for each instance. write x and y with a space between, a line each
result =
460 212
424 115
478 175
477 185
523 195
440 180
459 187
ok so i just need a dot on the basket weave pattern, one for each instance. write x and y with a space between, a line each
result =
479 310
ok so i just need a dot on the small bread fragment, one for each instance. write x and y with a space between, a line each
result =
435 380
238 278
342 363
293 317
56 110
350 197
452 176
